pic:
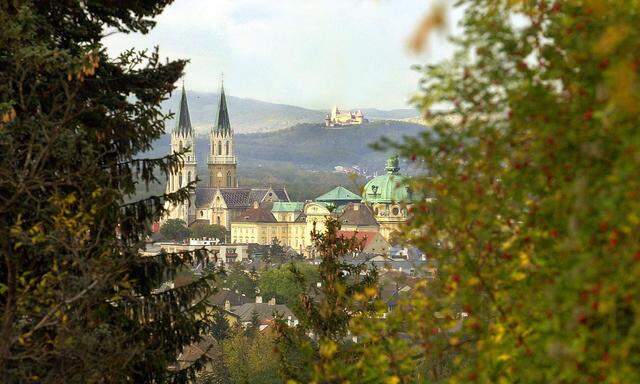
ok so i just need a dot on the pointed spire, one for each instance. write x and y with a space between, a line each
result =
183 124
223 125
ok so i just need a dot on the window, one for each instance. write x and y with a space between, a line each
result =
180 146
188 177
180 180
395 211
219 147
201 213
229 179
226 148
218 220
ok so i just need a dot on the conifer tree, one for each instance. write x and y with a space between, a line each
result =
308 352
78 303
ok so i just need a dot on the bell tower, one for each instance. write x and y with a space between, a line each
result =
222 160
182 141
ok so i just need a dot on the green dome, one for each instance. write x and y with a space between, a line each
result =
388 188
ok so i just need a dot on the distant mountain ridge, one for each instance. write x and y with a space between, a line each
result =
308 146
250 116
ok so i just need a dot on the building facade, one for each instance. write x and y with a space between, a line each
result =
221 200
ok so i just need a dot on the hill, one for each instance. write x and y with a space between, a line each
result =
249 115
309 146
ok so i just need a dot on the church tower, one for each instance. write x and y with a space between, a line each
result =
182 138
222 161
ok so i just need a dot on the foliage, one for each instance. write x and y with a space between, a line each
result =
79 304
238 280
280 283
174 229
201 230
346 291
533 166
220 327
250 359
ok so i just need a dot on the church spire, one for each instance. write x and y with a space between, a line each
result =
223 124
183 124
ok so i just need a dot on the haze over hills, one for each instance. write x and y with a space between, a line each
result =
249 115
309 146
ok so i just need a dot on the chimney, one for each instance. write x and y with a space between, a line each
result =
258 299
227 305
272 301
356 206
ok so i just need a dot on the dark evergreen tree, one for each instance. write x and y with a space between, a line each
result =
79 303
219 326
174 229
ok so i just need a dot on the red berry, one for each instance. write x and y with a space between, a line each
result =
456 278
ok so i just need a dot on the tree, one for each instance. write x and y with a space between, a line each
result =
200 230
250 358
79 303
280 283
346 291
532 162
174 229
238 280
219 326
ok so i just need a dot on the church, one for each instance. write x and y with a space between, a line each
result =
222 199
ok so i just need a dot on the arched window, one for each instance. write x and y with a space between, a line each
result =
188 177
180 146
218 220
219 147
229 179
226 148
201 213
180 180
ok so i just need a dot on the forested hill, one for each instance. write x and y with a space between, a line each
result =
249 115
316 147
308 146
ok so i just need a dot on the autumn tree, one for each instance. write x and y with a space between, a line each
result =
532 165
310 351
79 303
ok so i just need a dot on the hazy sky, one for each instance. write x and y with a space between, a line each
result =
309 53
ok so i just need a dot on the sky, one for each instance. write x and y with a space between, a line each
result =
308 53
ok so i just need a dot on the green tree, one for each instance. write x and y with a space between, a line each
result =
79 304
533 166
346 291
281 283
174 229
219 326
250 359
237 279
215 231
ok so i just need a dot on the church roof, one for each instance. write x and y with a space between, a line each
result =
339 193
357 214
223 124
183 122
238 198
204 196
287 206
388 188
257 214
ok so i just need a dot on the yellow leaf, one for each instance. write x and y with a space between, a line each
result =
518 276
504 357
393 380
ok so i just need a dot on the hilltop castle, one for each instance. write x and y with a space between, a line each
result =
222 200
341 118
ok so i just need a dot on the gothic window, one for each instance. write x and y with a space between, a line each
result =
218 220
180 180
219 147
180 146
395 211
201 213
229 179
188 177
